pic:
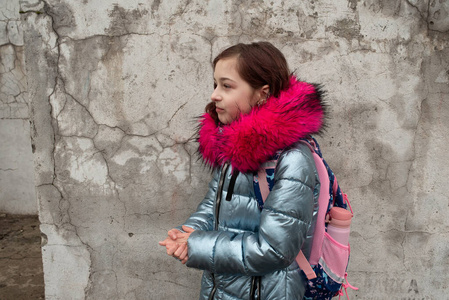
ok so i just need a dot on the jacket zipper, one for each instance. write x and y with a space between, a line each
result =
217 211
255 284
219 193
214 289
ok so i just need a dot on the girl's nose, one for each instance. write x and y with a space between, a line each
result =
215 96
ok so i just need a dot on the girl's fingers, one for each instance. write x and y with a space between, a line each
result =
171 249
172 233
180 250
183 254
164 242
185 260
168 242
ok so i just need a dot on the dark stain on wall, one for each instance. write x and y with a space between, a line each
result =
125 21
346 28
155 5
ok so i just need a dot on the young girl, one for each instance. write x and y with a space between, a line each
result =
259 112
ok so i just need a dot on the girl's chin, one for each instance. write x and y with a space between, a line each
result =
224 120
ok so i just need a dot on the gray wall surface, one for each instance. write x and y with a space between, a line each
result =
17 191
115 87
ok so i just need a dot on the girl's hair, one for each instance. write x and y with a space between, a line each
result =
258 64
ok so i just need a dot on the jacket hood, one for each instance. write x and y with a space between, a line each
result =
255 137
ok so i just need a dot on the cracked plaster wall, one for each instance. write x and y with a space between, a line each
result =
115 87
17 188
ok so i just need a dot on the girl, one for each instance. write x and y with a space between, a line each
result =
259 112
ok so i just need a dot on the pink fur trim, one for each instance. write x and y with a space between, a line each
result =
255 137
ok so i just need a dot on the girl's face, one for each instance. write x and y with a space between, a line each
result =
232 95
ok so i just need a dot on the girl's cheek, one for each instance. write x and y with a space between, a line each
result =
247 109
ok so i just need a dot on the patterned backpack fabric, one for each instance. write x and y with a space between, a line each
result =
327 265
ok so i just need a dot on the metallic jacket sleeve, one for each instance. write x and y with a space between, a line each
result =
285 220
203 218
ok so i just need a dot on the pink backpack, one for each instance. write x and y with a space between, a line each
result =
326 267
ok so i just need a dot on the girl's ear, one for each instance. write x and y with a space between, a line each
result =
264 92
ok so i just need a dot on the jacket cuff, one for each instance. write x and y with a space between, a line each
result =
201 249
180 228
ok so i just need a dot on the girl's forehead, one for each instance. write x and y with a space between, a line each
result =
226 68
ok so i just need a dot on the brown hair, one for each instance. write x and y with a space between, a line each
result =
258 64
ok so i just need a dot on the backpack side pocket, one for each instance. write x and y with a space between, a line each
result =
334 258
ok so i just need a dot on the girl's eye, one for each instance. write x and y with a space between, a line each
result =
215 86
226 86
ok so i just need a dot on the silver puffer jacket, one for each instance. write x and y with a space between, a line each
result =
246 252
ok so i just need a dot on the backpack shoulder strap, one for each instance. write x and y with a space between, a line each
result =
323 202
301 260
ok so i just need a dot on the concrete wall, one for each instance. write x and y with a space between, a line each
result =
114 90
17 191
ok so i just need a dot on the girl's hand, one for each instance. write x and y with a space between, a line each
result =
170 244
181 253
182 237
176 243
172 233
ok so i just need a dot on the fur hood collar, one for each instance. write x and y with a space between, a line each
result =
255 137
